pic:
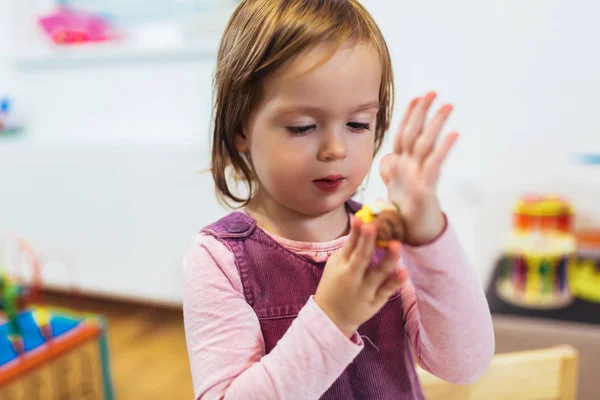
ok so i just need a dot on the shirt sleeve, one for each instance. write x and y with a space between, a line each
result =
447 317
225 344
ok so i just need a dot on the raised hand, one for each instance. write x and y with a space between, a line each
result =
412 170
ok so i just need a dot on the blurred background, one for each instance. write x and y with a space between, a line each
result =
106 105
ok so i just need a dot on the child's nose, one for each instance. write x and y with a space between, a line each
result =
333 147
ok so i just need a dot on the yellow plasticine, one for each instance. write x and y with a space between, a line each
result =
365 215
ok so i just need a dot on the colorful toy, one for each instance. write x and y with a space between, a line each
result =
538 213
585 273
539 254
8 121
68 26
73 364
15 297
387 219
49 352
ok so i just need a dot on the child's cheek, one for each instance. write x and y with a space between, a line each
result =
362 154
288 170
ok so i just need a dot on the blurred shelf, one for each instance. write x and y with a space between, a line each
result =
115 53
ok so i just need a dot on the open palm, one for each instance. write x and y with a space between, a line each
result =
411 171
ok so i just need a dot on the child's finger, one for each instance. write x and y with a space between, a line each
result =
376 276
402 275
416 122
391 285
355 229
434 162
402 129
426 141
363 252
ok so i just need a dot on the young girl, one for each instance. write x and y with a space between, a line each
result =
289 297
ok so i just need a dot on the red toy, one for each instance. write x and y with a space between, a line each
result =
67 26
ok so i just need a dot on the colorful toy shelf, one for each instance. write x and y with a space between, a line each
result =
47 352
73 363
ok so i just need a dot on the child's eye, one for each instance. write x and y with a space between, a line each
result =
301 130
359 126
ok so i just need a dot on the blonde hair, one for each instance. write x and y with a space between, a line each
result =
260 37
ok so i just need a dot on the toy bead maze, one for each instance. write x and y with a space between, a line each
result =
49 353
539 254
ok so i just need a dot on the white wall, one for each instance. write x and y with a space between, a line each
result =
105 177
5 44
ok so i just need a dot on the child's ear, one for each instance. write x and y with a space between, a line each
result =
241 142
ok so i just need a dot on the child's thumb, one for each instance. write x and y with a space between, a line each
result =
385 166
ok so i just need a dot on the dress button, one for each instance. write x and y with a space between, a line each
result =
237 227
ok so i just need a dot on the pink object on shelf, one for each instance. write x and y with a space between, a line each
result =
68 26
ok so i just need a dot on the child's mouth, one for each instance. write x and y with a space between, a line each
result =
330 184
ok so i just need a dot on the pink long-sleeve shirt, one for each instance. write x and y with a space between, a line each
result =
446 317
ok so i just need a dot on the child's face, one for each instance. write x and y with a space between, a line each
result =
311 138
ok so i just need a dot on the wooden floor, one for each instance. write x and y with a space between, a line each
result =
147 347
